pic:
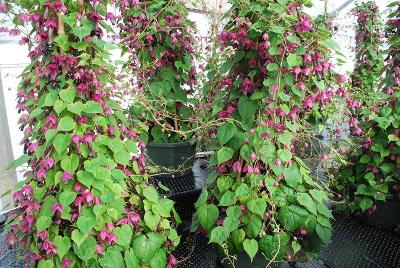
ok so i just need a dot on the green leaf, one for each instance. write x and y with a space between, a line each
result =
294 60
285 155
227 199
130 259
292 217
274 247
257 206
66 124
251 247
247 109
63 244
238 237
59 106
226 132
296 247
85 223
147 246
71 163
159 260
293 177
151 194
122 157
67 95
78 237
124 235
224 154
93 107
112 258
85 29
224 183
306 201
207 215
86 178
272 67
43 223
152 220
254 226
324 233
242 190
231 224
76 107
45 264
61 143
324 210
219 235
318 195
366 204
87 250
67 197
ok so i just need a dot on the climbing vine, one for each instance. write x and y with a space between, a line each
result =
277 85
85 200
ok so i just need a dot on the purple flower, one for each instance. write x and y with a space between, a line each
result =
304 25
66 263
3 8
57 207
237 167
66 176
75 139
341 78
99 249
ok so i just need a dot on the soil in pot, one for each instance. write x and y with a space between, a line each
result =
173 159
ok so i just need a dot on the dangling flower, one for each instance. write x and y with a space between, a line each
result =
57 207
237 167
99 249
304 25
172 261
341 79
66 263
66 176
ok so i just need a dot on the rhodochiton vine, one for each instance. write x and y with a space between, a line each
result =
369 57
159 40
277 81
85 201
374 175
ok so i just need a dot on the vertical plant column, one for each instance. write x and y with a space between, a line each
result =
277 81
158 37
85 201
374 175
367 74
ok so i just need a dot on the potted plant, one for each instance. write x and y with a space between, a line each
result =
158 37
372 182
369 62
84 201
265 204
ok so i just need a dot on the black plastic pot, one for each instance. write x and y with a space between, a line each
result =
173 159
387 215
243 261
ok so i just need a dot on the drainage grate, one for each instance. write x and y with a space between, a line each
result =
176 186
195 252
183 191
358 245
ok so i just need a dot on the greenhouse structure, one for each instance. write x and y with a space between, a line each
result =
199 133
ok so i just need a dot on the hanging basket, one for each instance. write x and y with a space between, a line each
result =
172 159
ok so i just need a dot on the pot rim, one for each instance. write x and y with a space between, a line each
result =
169 144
